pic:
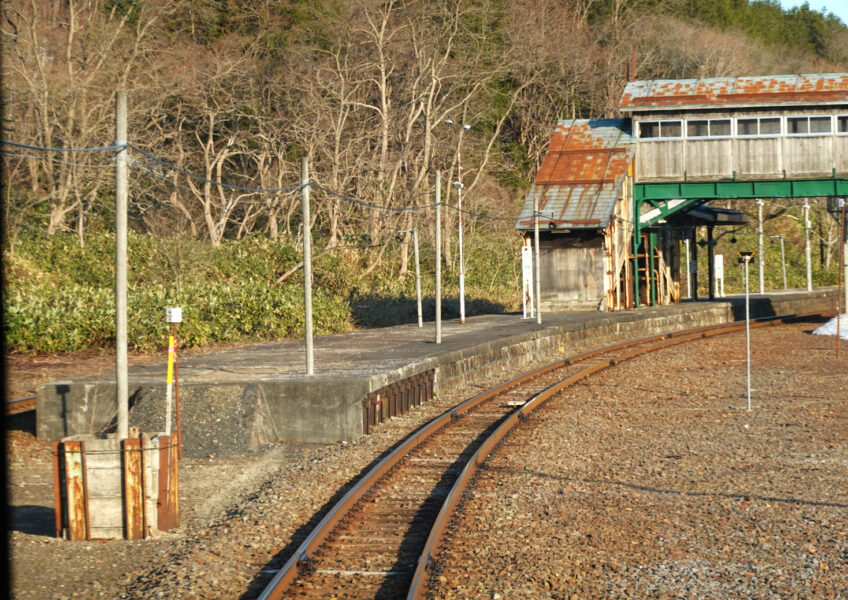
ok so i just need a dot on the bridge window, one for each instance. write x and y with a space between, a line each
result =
758 127
842 124
698 128
808 125
660 129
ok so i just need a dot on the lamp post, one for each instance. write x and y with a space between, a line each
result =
782 256
417 270
760 243
807 245
458 185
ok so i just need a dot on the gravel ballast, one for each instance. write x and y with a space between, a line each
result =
654 481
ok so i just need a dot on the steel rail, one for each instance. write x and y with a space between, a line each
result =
20 405
302 556
426 562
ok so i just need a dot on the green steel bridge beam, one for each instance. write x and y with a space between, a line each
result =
724 190
689 193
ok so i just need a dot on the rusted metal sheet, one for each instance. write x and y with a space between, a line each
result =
58 490
167 500
174 482
579 179
133 478
20 405
396 399
735 91
76 504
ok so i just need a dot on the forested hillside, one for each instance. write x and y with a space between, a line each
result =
238 92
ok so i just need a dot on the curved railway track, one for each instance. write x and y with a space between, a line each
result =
380 539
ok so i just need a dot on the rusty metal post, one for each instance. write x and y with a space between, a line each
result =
58 495
133 476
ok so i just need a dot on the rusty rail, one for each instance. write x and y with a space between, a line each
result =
418 587
301 558
20 405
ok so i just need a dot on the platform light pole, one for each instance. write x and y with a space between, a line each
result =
458 185
807 245
438 243
745 258
782 256
414 232
760 244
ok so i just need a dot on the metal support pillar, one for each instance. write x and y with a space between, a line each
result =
695 263
711 261
807 245
652 244
760 244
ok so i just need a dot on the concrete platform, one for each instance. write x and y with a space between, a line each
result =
239 400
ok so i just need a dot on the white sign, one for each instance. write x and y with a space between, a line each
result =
174 315
719 274
527 279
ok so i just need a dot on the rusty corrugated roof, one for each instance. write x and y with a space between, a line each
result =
831 88
578 181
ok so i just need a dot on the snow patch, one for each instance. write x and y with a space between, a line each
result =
829 328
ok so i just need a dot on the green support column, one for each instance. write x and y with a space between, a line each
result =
652 244
636 236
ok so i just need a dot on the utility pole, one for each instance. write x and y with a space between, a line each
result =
307 264
121 193
760 244
807 245
438 242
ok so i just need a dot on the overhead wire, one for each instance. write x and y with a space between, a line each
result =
62 162
134 163
60 149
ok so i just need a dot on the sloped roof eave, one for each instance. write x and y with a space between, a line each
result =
580 178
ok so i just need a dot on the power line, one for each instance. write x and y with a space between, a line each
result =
60 162
247 189
55 149
230 186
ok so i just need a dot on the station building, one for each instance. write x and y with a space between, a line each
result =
614 197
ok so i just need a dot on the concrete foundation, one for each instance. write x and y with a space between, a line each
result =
236 401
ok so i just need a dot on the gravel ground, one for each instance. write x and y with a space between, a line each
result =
665 495
654 481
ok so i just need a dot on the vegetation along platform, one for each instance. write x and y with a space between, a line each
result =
236 401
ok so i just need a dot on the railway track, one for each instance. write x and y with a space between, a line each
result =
380 539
